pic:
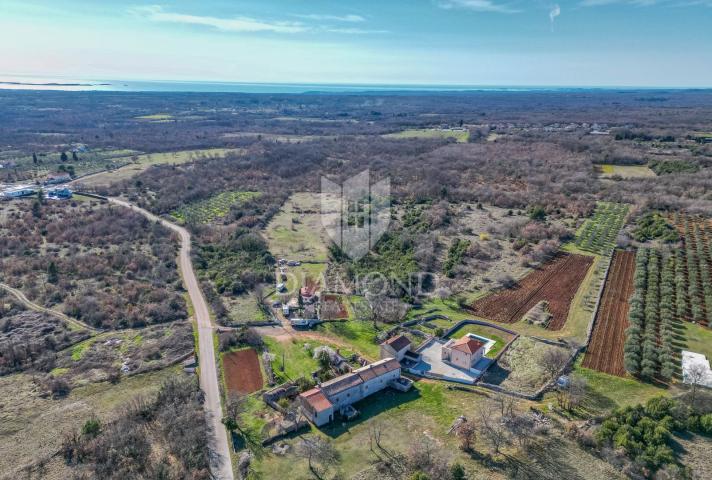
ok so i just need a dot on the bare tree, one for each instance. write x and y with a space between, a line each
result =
554 360
493 430
694 376
387 309
467 433
570 395
319 453
330 310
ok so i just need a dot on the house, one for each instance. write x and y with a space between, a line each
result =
55 178
339 394
308 292
19 191
465 352
285 309
395 347
59 193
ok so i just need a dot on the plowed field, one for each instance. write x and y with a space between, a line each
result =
242 371
556 282
605 351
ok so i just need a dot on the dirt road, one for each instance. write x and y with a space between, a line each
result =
39 308
221 464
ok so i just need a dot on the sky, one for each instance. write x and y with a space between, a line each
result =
425 42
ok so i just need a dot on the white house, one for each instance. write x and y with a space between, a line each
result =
19 191
320 403
395 347
465 352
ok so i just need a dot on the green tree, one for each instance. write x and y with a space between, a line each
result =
63 157
91 428
52 273
457 472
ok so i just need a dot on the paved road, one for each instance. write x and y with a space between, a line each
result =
39 308
221 465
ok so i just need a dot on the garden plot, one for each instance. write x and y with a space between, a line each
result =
522 368
242 371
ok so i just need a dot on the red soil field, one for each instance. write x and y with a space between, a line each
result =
342 313
556 282
242 371
605 351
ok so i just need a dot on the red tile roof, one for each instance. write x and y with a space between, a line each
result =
467 344
316 399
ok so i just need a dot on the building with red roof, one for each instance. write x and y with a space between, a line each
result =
464 352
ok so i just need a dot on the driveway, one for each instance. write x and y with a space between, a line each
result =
431 364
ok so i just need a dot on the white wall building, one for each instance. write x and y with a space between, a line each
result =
320 403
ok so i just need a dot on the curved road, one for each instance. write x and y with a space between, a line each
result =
39 308
221 464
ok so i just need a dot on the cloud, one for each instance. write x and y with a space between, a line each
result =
156 13
553 13
478 6
333 18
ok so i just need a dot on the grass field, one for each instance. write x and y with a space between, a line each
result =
626 171
297 356
360 334
32 427
426 413
698 339
606 392
156 117
296 233
462 136
139 163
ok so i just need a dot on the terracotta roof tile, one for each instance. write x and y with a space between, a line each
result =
467 344
316 399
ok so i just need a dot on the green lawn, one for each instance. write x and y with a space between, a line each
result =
358 333
298 360
698 339
607 392
429 409
500 338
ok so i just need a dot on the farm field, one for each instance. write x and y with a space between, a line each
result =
213 208
626 171
135 164
605 351
694 303
242 371
556 282
461 136
598 233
